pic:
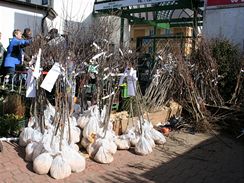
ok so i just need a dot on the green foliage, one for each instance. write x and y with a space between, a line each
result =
10 125
227 56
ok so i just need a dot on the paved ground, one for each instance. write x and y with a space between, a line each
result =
198 158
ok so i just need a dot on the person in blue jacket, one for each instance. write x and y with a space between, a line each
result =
15 52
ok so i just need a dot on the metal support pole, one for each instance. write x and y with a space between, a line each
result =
194 31
154 41
122 21
155 17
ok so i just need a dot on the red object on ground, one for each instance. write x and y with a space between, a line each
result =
165 131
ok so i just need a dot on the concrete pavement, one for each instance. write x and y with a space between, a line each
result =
184 158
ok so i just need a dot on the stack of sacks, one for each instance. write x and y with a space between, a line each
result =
93 125
98 143
148 138
50 152
84 118
74 135
133 136
122 142
103 149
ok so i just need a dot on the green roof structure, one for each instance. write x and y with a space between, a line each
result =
164 14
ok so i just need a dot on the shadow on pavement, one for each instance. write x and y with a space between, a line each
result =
211 161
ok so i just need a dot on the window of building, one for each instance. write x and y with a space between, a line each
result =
37 2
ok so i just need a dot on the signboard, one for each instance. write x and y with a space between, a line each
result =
125 3
224 2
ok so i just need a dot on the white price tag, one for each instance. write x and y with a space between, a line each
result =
51 77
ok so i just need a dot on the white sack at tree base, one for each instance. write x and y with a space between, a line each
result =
36 136
148 137
143 147
84 119
37 151
74 147
109 140
25 135
75 134
29 150
60 169
132 136
49 113
51 143
103 155
122 144
93 148
42 163
157 137
105 150
92 127
147 125
74 159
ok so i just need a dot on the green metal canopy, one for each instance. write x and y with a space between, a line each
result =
159 13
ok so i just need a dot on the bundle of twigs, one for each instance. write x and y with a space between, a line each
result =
162 80
191 99
191 82
74 52
204 70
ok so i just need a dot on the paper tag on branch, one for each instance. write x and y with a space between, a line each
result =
31 85
37 71
51 77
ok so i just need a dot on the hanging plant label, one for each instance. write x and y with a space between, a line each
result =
51 77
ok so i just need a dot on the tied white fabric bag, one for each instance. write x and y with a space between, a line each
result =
103 151
143 147
93 126
122 142
37 151
74 159
103 155
84 119
148 137
60 169
157 137
25 135
133 137
42 163
29 150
